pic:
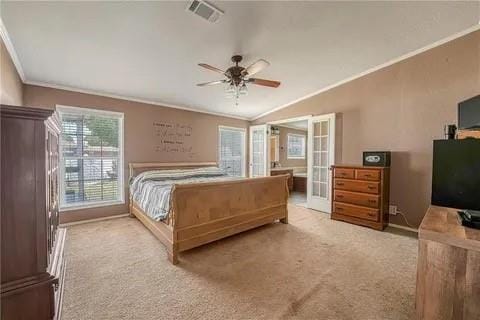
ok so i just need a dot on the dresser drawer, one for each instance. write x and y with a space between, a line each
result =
362 199
355 211
358 186
344 173
367 174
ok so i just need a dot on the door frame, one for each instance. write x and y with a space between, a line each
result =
284 121
331 158
290 119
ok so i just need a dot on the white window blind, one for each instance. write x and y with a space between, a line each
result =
91 147
232 150
295 146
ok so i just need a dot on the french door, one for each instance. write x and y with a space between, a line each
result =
321 155
259 155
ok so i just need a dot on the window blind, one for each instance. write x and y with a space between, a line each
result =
296 146
232 151
91 157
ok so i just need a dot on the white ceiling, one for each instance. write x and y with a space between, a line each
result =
150 50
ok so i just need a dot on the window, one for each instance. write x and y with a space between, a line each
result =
91 160
295 146
231 150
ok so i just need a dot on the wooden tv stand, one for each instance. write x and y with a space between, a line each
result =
448 269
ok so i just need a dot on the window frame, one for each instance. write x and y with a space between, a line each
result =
62 207
304 148
243 131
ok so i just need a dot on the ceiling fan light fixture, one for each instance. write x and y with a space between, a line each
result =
237 77
230 89
243 90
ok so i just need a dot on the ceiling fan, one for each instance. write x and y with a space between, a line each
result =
237 77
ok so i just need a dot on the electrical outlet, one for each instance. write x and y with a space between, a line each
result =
392 210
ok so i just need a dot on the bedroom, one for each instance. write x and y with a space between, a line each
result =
118 83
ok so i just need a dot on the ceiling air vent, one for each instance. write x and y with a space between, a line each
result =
205 10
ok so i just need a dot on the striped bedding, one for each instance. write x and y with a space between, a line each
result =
151 190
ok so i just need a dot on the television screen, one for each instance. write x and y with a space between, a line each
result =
469 113
456 173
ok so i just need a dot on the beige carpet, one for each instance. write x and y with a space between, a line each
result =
313 268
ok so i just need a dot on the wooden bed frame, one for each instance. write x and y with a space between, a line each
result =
204 212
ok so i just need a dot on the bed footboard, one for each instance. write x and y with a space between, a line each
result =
207 212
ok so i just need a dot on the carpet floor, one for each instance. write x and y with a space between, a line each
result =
312 268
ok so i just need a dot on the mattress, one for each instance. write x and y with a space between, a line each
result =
152 190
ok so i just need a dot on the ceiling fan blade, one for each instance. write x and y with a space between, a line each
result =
212 68
255 67
263 82
211 83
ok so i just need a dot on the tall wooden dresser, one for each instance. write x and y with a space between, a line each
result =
32 244
361 195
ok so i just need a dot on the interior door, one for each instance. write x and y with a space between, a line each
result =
321 155
259 155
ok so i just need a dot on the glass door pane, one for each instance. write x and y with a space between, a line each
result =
320 179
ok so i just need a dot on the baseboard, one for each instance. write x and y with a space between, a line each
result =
94 220
402 227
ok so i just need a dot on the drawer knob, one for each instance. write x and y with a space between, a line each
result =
371 187
368 175
339 196
372 214
339 209
372 201
340 184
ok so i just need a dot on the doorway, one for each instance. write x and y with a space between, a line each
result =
289 155
302 147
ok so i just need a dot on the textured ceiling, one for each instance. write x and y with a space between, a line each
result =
150 50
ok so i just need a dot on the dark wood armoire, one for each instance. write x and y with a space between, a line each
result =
32 266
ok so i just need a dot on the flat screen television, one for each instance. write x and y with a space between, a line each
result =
456 173
469 113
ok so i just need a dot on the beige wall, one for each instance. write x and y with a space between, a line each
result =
284 161
11 91
140 139
401 108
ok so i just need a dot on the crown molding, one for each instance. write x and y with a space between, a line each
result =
11 50
127 98
371 70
